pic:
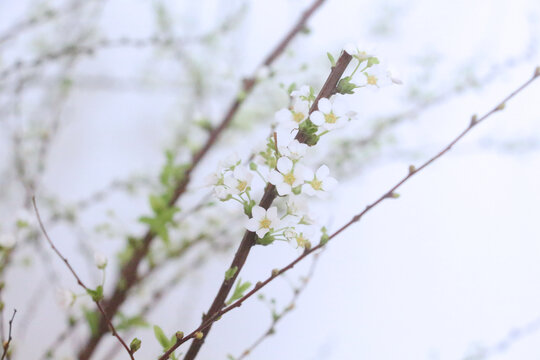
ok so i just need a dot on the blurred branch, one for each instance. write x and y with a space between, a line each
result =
6 344
79 281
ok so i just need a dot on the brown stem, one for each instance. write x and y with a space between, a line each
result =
128 273
249 237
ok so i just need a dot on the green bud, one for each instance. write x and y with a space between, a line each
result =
199 335
252 166
230 273
179 335
275 272
135 345
412 169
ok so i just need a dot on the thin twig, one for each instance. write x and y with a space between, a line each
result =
6 344
209 320
79 281
277 317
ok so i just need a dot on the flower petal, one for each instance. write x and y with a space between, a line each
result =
261 232
252 224
283 116
329 183
317 118
324 105
275 178
283 189
322 172
258 212
284 164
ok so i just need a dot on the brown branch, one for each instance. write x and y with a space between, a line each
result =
211 318
128 273
250 237
6 344
79 281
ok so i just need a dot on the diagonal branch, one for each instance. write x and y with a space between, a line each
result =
211 318
128 273
249 238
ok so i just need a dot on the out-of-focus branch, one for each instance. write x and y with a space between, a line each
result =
8 341
79 281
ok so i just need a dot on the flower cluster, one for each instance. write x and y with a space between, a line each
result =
306 119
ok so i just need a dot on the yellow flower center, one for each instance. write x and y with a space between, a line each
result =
265 223
372 80
241 185
316 184
301 240
298 117
289 178
330 118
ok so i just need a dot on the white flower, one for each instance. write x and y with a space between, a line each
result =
222 192
263 220
65 298
294 151
230 161
293 117
394 76
287 177
303 93
359 51
378 77
100 260
320 183
290 234
7 240
332 113
239 181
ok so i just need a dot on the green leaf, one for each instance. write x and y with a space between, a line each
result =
157 203
331 58
267 239
127 323
345 86
324 237
92 318
161 338
230 273
372 61
238 291
97 295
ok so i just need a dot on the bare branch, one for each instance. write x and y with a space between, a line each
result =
6 344
79 281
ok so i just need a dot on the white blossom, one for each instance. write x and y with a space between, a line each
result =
293 117
377 76
320 182
239 181
65 298
332 113
100 260
302 93
287 176
294 151
230 161
222 192
7 240
360 51
262 220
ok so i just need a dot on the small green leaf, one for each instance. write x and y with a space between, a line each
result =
372 61
267 239
239 291
324 236
345 86
161 338
97 295
230 273
92 318
331 58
